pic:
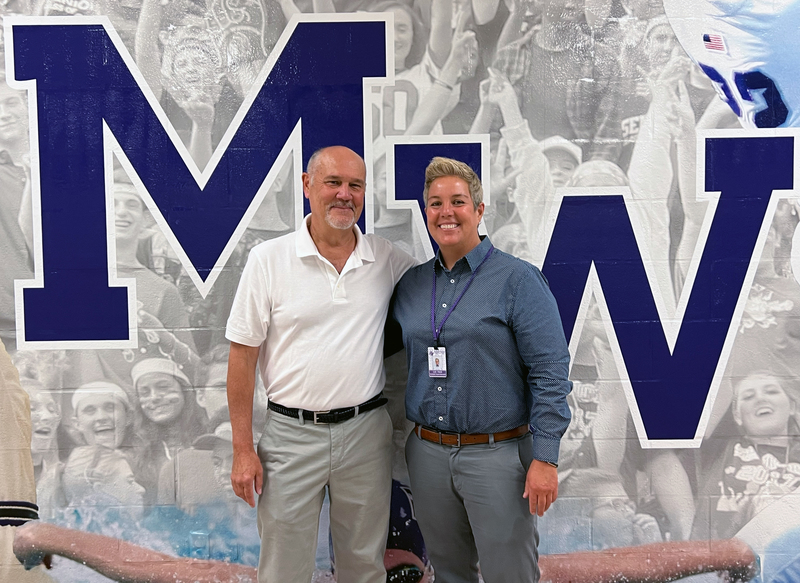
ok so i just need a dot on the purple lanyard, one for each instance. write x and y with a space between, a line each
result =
437 331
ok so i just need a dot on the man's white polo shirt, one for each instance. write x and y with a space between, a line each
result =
320 332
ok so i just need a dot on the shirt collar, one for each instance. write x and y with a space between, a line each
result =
305 246
474 257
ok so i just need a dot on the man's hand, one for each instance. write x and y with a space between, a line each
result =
246 470
246 473
541 486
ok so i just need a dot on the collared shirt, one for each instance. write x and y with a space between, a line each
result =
507 358
320 332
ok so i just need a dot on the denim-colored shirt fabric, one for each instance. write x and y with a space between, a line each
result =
507 358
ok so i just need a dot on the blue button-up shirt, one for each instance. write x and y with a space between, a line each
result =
507 358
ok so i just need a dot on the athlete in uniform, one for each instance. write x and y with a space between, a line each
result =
748 48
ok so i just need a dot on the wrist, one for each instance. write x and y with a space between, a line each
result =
449 73
443 83
551 464
243 445
202 125
511 114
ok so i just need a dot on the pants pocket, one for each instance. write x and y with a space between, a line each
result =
525 451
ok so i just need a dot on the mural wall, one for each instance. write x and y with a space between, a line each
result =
628 147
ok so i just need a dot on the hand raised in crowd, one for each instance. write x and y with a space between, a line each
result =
464 49
199 106
147 320
199 109
663 82
504 176
498 91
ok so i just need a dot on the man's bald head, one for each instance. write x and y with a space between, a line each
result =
313 161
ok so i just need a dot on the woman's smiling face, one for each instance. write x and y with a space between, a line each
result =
452 217
160 396
403 37
762 406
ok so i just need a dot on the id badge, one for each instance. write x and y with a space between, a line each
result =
437 362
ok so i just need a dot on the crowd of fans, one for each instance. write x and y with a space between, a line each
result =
574 94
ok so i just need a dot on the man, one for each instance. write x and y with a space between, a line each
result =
478 475
310 312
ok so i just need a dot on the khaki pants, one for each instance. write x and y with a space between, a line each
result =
353 459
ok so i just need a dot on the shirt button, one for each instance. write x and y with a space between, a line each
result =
444 305
452 281
441 418
438 388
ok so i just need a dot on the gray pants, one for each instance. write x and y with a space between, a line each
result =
353 459
469 505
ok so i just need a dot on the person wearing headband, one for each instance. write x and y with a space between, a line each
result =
171 417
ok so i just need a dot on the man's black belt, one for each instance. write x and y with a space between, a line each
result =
332 416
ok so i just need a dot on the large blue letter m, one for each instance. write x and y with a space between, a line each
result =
86 96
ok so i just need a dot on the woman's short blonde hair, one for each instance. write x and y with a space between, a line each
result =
440 167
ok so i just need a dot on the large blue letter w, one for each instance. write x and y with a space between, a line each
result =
671 387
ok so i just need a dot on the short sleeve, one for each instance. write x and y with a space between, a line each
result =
250 314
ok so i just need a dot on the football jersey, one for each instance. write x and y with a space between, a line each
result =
748 48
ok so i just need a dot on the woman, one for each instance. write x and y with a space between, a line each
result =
172 419
758 466
410 37
428 69
493 324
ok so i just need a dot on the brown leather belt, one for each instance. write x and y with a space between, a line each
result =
459 439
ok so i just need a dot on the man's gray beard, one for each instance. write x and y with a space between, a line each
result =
339 225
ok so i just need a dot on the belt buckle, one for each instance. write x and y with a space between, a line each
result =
316 422
458 440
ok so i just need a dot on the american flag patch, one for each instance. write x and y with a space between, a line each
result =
714 42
